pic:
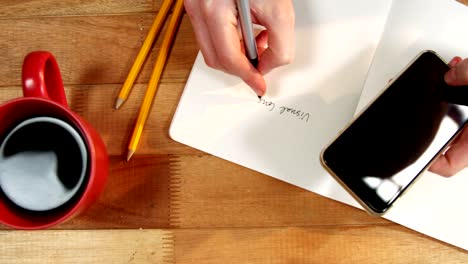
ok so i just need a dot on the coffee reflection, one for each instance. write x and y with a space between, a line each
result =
43 163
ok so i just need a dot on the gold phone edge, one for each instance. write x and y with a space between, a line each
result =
332 173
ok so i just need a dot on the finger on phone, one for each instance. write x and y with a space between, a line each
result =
458 74
453 160
454 61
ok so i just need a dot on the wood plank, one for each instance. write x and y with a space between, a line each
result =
14 8
215 193
192 191
329 244
84 246
137 195
92 50
312 245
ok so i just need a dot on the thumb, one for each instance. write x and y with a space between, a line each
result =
458 75
454 159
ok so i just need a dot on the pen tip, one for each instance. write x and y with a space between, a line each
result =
130 154
259 97
119 103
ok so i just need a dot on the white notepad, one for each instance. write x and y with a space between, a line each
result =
346 51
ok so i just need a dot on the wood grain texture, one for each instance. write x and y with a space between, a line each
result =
92 49
295 245
13 8
137 196
215 193
319 245
83 246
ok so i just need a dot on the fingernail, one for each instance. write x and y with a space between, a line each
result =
454 61
258 92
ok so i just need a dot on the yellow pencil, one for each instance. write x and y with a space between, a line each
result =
155 76
144 50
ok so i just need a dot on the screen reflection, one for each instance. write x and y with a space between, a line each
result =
387 188
395 139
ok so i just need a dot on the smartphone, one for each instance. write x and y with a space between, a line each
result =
397 136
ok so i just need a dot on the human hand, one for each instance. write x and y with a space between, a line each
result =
216 29
456 157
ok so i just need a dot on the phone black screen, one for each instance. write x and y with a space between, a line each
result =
388 145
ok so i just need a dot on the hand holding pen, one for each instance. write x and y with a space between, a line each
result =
217 24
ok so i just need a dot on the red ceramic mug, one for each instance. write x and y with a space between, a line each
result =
27 126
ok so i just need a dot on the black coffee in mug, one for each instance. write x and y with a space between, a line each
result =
43 163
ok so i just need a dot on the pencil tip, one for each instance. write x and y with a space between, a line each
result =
259 97
119 103
130 154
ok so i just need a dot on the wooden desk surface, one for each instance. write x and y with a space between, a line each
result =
172 203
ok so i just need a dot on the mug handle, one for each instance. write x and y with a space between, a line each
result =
41 77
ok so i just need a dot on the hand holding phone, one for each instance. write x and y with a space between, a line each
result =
397 136
456 157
